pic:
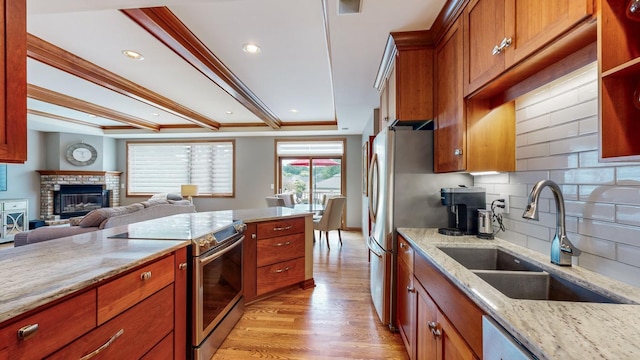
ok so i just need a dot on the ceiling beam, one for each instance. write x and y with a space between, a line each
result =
166 27
62 118
61 59
52 97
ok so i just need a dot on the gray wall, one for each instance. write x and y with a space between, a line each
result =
56 159
255 172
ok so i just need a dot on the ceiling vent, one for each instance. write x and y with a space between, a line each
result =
349 6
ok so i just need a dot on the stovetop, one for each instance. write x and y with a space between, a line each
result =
205 230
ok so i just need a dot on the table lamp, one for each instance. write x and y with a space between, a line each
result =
188 191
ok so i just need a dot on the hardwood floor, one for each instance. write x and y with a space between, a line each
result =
335 320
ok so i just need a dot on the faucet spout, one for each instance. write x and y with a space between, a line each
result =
561 248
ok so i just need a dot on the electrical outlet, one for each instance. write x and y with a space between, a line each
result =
272 186
506 203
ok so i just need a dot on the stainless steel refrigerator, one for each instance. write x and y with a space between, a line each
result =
403 192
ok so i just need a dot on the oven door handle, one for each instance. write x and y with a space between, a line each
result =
204 261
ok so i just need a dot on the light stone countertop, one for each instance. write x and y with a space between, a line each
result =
549 329
265 214
36 274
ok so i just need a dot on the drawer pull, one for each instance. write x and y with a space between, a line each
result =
282 244
434 328
282 228
145 275
104 346
182 266
402 245
28 331
282 270
411 289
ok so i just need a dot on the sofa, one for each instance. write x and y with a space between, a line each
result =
106 218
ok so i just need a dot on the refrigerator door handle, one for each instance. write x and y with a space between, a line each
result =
374 188
372 247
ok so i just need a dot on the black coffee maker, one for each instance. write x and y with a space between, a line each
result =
463 203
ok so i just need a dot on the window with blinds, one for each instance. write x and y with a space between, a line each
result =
163 167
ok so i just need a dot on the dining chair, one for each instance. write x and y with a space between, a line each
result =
289 199
331 218
273 201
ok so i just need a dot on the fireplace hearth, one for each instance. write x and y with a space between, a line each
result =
78 200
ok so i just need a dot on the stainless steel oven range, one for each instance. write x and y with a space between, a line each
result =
215 271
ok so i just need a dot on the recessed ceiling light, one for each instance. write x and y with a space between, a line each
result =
155 114
91 116
132 54
251 48
293 110
228 112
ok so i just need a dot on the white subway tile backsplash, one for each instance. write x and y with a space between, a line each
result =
588 125
574 145
629 215
565 161
590 210
628 175
604 176
501 178
573 113
557 139
610 194
629 254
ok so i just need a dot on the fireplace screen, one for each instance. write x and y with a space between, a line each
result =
78 200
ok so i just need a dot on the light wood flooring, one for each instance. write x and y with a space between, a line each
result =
334 320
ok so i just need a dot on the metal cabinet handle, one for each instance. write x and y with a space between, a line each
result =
411 289
145 275
505 43
402 245
282 228
104 346
28 331
282 244
457 152
434 328
432 325
182 266
282 270
253 236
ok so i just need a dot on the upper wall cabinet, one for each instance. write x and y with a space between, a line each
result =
13 93
619 80
405 79
495 44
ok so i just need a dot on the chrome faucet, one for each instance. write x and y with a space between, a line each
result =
561 248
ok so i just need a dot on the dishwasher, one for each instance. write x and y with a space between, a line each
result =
498 344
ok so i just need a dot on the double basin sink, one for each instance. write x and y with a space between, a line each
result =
519 278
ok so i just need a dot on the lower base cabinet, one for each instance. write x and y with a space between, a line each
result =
433 316
137 315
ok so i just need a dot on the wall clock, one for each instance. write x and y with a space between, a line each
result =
81 154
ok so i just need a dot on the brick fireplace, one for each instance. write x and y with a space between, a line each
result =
50 181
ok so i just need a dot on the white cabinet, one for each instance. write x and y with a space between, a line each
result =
14 218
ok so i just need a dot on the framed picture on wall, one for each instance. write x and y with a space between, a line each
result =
365 168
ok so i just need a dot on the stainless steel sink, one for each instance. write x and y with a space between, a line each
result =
540 286
488 259
519 278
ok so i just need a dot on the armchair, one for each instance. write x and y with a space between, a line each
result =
331 218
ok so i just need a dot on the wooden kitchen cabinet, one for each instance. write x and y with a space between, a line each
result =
136 315
13 92
274 256
619 82
405 79
450 119
435 319
494 44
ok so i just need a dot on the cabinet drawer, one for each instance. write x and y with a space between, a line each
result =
120 294
280 275
162 351
281 248
14 205
405 252
282 227
131 334
57 326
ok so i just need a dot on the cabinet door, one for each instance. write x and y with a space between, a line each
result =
383 120
406 308
451 345
449 136
13 91
484 26
426 314
532 24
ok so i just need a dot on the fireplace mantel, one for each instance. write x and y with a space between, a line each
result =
79 172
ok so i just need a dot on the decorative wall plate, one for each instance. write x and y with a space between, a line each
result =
81 154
